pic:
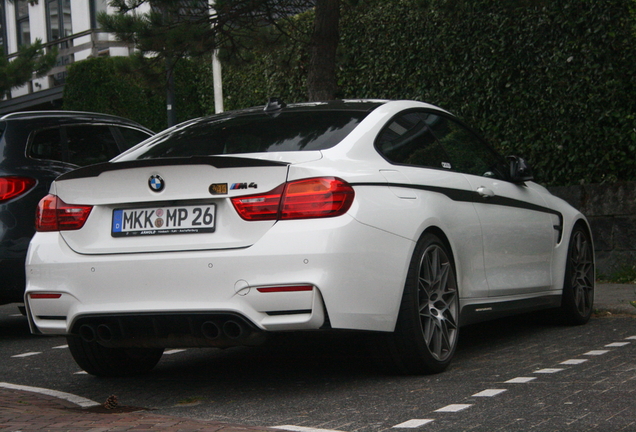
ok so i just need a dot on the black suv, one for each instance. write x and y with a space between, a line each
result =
35 148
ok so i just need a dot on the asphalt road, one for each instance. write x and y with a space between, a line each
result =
514 374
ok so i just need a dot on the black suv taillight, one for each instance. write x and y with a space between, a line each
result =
14 186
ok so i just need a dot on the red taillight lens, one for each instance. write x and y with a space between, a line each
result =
315 198
259 207
302 199
53 214
13 186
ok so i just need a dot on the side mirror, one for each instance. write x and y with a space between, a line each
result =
519 170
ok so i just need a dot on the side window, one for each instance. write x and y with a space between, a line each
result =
89 144
47 144
409 140
132 136
468 153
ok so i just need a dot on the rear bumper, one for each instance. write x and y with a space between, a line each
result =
357 273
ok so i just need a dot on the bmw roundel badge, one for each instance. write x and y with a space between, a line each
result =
156 183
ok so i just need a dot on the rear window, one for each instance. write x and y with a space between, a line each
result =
254 133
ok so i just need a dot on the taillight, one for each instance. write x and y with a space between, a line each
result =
301 199
53 214
13 186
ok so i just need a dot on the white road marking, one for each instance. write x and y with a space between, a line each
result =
520 380
631 337
29 354
415 423
617 344
454 408
573 362
174 351
548 370
596 352
77 400
61 347
489 393
80 373
303 429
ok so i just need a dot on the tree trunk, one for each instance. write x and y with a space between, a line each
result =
321 77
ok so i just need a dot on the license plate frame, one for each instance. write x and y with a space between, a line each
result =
163 220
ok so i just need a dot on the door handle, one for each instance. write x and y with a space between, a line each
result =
485 192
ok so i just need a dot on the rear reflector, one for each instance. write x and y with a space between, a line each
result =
44 296
53 214
13 186
301 199
287 288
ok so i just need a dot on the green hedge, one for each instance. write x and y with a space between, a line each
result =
554 81
113 85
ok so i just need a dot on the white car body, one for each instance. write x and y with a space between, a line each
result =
509 243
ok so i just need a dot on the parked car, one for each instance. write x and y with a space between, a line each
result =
35 148
384 216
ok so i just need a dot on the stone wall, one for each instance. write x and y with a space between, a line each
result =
611 210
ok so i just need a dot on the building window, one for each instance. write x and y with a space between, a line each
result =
97 6
22 20
58 17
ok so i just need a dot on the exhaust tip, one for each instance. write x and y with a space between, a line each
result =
104 333
233 329
210 330
87 333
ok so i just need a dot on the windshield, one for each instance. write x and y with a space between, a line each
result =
253 133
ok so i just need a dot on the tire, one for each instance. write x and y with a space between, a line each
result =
578 286
101 361
427 328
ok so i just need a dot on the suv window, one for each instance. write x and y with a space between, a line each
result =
132 136
89 144
83 144
46 144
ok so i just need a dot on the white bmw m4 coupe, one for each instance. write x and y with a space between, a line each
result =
384 216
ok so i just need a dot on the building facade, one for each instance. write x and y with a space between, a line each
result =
71 25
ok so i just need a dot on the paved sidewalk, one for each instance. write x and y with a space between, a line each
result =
28 411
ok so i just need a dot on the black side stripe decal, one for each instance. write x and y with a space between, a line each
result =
461 195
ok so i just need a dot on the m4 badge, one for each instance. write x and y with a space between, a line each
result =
244 186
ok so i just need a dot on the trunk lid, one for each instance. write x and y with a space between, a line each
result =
164 205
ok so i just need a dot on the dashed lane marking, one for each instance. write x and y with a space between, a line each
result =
520 380
412 424
631 337
617 344
454 408
60 347
303 429
173 351
548 370
573 362
489 393
596 352
29 354
77 400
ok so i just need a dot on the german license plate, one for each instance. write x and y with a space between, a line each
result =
192 219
